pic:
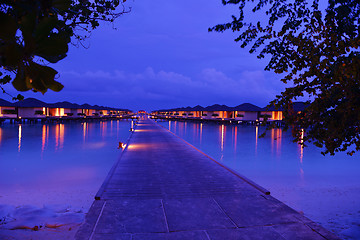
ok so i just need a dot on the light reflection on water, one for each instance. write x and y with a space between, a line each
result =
326 189
61 163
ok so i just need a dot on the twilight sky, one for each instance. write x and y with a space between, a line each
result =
162 56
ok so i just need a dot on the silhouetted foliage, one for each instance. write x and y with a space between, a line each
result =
316 51
38 32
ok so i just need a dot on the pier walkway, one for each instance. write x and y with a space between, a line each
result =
163 188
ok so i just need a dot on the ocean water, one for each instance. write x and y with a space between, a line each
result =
325 189
52 163
50 173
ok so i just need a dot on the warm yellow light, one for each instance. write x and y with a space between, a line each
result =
256 137
43 138
142 130
20 134
121 145
222 137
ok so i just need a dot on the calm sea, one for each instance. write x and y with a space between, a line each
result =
57 163
325 188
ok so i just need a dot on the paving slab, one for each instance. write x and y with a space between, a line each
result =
132 216
198 235
195 214
253 233
163 188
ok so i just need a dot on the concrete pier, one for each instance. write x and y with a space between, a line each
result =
163 188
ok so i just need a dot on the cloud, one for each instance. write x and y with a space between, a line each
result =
165 89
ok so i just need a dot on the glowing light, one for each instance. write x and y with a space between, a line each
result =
43 140
301 145
143 130
19 143
222 141
169 125
201 125
84 131
256 137
121 145
272 139
59 136
222 137
141 146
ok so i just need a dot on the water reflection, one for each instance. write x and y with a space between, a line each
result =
278 141
201 127
276 137
44 137
59 136
117 128
84 129
38 163
240 138
222 140
103 127
256 138
222 137
19 142
0 136
301 145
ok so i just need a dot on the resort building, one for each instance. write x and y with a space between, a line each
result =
246 112
64 109
276 114
217 111
7 109
32 108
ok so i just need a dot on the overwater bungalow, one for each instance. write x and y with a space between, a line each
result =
246 112
63 109
7 109
276 114
31 108
196 111
217 111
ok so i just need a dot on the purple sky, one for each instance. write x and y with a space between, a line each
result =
162 56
